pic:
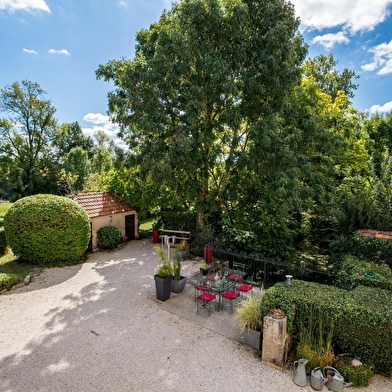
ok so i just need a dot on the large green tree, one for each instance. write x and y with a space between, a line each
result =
200 97
27 130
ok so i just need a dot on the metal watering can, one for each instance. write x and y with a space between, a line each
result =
335 381
317 379
299 376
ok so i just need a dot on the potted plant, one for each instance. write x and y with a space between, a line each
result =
182 248
204 267
248 316
178 282
163 276
155 231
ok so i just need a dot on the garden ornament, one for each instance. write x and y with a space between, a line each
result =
299 376
317 380
335 381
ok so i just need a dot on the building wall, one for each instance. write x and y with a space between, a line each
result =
117 220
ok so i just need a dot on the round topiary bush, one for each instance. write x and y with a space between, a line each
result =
108 237
47 229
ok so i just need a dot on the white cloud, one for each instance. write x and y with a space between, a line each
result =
382 59
61 51
102 123
25 5
330 40
123 3
355 16
31 51
386 108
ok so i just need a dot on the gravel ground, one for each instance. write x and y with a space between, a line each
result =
98 327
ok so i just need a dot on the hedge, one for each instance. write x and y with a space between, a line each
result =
361 318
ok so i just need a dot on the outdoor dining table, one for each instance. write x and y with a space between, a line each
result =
222 281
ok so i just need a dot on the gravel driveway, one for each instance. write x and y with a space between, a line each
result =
98 327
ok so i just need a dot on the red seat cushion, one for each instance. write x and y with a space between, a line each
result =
244 287
201 288
235 277
230 294
206 296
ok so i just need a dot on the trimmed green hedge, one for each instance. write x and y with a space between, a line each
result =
3 241
47 229
361 319
108 237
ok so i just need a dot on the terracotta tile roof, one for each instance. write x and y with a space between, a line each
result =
386 235
102 203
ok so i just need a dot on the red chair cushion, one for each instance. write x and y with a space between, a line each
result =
244 287
206 296
235 277
230 294
201 288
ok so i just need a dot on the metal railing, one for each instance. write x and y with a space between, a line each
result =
265 272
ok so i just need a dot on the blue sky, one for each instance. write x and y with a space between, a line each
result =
60 43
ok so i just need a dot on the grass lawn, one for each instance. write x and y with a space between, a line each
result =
12 271
4 207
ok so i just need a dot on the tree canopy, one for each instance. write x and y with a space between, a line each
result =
201 92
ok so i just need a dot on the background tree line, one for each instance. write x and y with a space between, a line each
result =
225 116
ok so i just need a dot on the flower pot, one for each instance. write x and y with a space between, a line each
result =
208 254
163 287
178 285
155 236
181 254
252 338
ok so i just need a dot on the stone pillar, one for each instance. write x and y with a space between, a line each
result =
275 341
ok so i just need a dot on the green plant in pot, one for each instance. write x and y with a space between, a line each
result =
182 248
178 282
163 276
204 267
248 316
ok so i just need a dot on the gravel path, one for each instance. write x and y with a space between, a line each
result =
98 327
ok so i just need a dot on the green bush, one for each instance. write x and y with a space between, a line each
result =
360 376
355 271
374 249
109 237
361 319
8 280
3 241
47 229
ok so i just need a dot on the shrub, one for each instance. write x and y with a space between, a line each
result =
360 319
360 376
3 241
47 229
8 280
109 237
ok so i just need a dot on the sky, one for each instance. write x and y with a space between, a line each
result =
60 43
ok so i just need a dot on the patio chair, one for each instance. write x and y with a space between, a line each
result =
239 266
206 299
244 288
230 296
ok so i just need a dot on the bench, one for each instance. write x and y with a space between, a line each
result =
174 235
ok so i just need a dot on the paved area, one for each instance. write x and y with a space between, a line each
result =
98 327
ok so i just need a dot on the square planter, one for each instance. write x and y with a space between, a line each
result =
178 285
252 338
163 287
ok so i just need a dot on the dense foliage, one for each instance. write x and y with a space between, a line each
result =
47 229
108 237
360 319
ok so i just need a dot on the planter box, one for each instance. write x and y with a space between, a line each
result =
252 338
163 287
178 285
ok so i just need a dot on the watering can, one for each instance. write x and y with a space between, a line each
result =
299 376
317 379
335 381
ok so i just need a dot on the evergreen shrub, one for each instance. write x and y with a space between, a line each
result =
361 319
109 237
3 241
47 229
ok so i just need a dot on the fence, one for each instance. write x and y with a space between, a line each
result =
265 272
